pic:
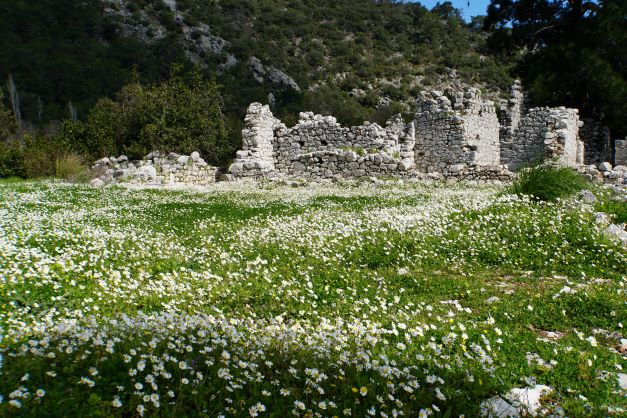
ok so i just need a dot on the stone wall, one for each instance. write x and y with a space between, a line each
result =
596 138
465 131
319 147
155 169
544 133
256 158
511 112
620 152
454 136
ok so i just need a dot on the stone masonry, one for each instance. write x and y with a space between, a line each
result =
155 169
597 142
318 147
464 132
620 152
456 136
544 133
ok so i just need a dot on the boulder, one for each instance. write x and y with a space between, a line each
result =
148 172
517 402
605 166
587 196
96 183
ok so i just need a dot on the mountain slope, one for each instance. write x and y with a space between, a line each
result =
357 59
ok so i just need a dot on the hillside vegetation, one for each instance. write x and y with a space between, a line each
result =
354 59
344 55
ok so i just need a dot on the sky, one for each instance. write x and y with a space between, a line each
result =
477 7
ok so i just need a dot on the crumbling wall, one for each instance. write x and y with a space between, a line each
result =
155 169
620 152
550 133
511 113
256 158
463 132
458 137
316 134
317 146
596 138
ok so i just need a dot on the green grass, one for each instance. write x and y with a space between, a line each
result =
326 278
548 182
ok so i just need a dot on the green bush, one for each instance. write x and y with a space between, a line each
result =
180 115
548 182
11 161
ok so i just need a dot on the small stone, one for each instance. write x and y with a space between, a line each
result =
587 196
148 172
605 166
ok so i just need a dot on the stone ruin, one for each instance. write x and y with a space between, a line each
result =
459 136
155 169
454 136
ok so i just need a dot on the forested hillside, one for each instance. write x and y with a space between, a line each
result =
354 59
347 57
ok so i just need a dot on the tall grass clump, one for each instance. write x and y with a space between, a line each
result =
71 167
548 182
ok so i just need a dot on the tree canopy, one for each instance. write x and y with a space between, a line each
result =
574 53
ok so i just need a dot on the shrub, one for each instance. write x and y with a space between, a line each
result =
548 182
11 161
180 114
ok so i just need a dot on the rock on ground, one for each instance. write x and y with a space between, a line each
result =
517 402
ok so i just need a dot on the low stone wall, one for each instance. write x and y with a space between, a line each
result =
487 173
346 164
605 173
155 169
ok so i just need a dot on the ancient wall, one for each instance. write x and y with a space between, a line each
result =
544 133
620 152
596 138
465 131
510 114
256 158
458 138
318 147
155 169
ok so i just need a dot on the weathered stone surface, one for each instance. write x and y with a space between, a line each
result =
605 166
267 73
454 137
466 133
96 183
155 169
587 196
516 403
620 152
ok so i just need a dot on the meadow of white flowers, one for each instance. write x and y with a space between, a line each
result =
326 300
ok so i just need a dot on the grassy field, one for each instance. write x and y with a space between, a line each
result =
328 300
